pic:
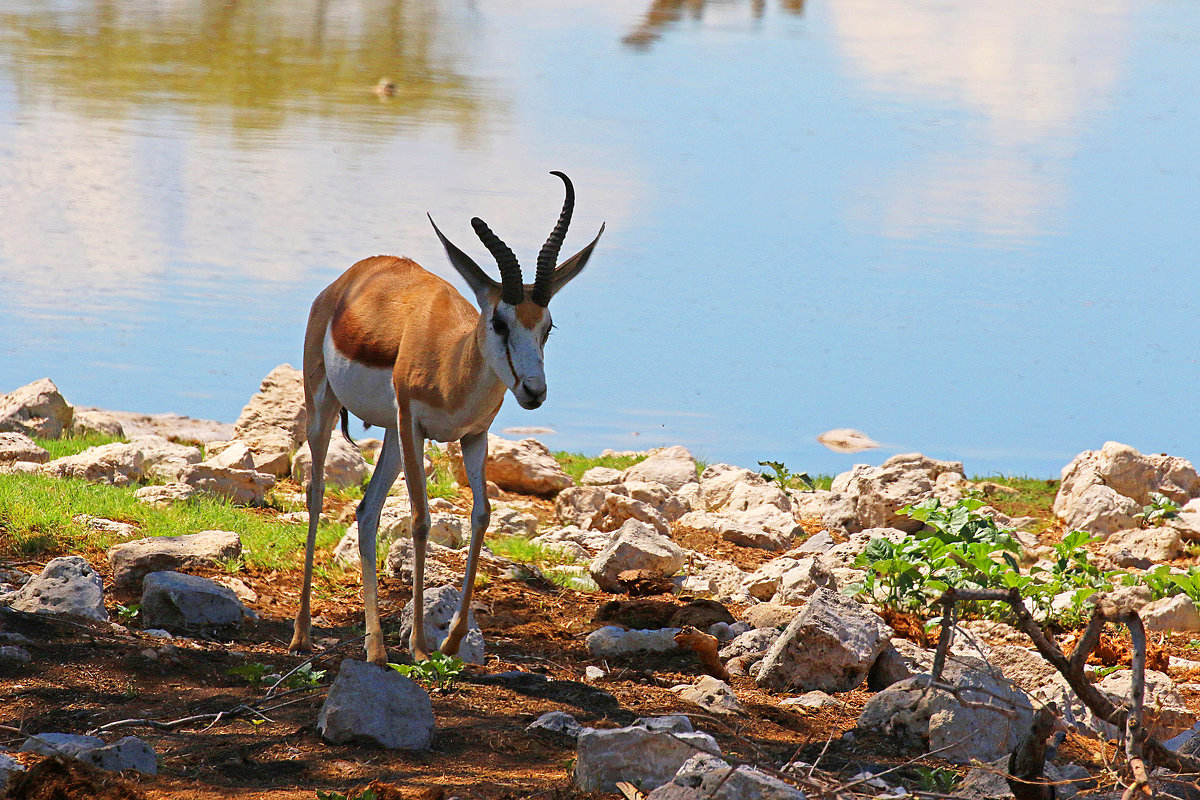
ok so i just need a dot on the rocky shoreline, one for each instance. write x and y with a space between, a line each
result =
798 627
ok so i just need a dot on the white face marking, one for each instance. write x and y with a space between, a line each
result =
514 352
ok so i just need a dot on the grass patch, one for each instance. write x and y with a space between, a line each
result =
441 482
70 445
36 519
575 464
1034 497
526 551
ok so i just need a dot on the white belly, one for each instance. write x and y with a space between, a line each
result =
366 392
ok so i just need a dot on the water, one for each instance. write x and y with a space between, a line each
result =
968 229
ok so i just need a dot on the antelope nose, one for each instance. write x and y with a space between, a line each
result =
536 389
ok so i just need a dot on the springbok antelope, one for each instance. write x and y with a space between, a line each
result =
400 348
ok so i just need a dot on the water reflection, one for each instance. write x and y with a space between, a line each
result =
1017 87
664 14
253 63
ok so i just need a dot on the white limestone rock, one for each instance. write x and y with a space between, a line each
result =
1155 544
441 604
68 586
509 521
673 467
937 720
87 421
131 561
117 464
127 753
272 422
376 705
1176 613
611 641
707 777
712 694
525 467
19 447
830 645
600 476
243 487
166 494
163 459
399 561
635 546
871 497
36 409
646 754
344 464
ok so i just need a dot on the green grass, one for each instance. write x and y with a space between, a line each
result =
36 520
70 445
575 464
1034 496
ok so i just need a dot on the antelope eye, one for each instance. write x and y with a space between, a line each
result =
499 326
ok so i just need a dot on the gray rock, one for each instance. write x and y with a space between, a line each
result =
272 422
813 700
525 467
711 694
376 705
173 600
558 726
934 720
243 487
67 586
989 782
128 753
635 546
646 754
165 494
1176 613
707 777
871 497
12 654
117 464
344 464
8 765
510 521
163 459
611 641
756 641
600 476
88 421
71 745
36 409
673 467
131 561
19 447
399 559
830 646
1154 544
441 604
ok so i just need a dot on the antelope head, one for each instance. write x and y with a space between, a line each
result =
515 316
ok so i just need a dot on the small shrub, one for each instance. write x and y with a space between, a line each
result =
1160 509
439 670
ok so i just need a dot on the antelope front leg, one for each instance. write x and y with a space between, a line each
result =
474 453
413 448
386 470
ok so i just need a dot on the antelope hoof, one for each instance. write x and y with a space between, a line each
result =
377 655
300 644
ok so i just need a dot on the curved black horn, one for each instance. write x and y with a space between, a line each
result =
548 257
513 291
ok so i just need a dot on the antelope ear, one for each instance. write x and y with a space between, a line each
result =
568 269
476 278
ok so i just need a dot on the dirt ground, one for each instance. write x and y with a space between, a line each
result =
84 676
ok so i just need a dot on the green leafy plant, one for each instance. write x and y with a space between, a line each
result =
252 672
306 676
365 794
938 780
128 612
439 670
1160 509
785 479
964 548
